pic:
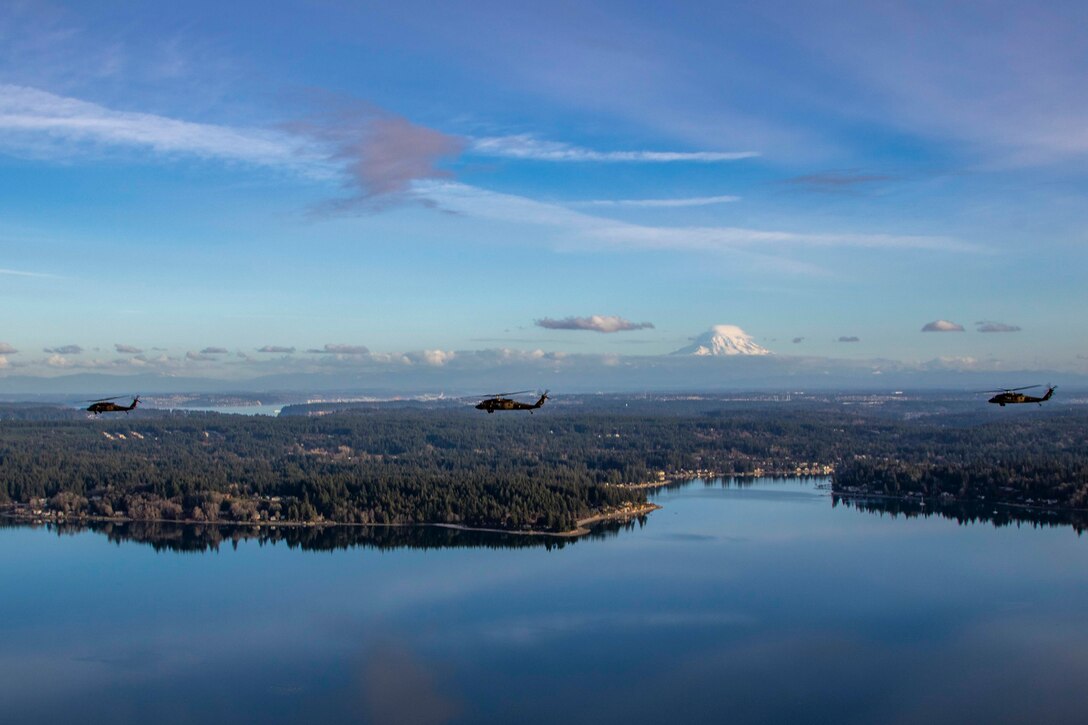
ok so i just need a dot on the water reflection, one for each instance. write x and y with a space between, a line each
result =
998 515
173 537
748 601
965 513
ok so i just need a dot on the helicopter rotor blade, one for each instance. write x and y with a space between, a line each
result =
103 400
1009 390
516 392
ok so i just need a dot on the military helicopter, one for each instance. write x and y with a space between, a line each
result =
499 401
1010 395
103 405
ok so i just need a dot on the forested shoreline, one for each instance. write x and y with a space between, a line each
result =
447 465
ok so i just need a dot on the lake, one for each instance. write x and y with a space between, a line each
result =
759 603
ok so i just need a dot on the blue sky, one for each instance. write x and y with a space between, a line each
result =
431 180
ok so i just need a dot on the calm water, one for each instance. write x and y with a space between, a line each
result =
761 604
272 409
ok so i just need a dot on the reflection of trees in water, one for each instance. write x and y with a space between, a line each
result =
676 484
965 513
165 536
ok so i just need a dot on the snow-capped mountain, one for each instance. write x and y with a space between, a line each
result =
723 340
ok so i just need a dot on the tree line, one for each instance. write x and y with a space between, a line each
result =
398 465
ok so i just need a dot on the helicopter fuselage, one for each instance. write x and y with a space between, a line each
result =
1008 398
493 404
97 408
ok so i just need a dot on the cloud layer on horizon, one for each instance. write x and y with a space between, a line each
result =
340 349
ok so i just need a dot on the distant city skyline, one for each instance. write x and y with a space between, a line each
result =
234 191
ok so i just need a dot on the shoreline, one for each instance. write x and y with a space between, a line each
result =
582 526
938 503
680 478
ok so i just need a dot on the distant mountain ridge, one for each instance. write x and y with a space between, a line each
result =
574 374
723 340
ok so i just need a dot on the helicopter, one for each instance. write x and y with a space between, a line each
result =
498 401
1010 395
103 405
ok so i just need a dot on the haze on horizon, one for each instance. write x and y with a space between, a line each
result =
234 192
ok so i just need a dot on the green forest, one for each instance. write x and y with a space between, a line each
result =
450 465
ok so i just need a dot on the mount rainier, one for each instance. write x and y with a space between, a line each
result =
723 340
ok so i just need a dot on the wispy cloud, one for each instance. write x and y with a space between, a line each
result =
942 326
1016 90
213 351
376 154
849 338
23 273
276 349
7 349
666 203
40 120
797 340
64 350
530 148
601 232
595 323
127 349
989 326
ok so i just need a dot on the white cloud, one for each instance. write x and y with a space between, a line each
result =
23 273
437 358
527 147
601 232
30 115
58 361
663 203
595 323
7 349
942 326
